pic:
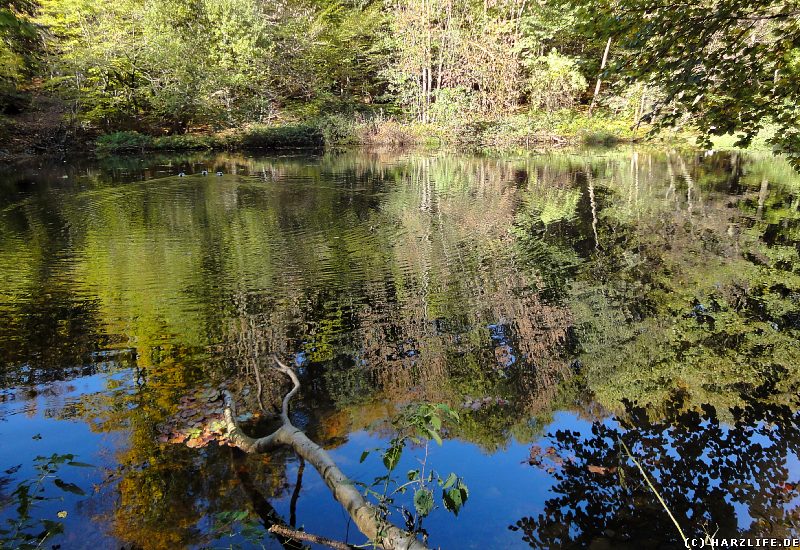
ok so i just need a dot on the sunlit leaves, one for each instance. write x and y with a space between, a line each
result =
723 66
418 424
392 455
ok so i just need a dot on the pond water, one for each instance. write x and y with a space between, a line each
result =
561 302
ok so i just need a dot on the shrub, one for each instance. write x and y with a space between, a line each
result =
391 132
555 82
183 142
120 142
452 105
281 137
338 130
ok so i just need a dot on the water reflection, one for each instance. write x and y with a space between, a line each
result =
736 480
511 287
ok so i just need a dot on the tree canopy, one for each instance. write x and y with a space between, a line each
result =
725 65
716 67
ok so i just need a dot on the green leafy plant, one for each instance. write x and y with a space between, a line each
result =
416 426
24 529
555 82
225 524
120 142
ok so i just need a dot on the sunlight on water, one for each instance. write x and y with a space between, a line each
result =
559 301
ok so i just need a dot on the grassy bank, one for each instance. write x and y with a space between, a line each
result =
524 130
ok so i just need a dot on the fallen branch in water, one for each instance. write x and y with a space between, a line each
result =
309 537
367 517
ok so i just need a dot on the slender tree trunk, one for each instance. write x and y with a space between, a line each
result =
600 76
640 110
762 198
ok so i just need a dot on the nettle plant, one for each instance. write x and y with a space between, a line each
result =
416 426
24 528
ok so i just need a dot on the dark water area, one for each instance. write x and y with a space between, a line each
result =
568 305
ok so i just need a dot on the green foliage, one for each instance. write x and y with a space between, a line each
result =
26 531
554 82
452 106
18 49
296 136
727 67
203 66
337 130
277 137
416 426
122 142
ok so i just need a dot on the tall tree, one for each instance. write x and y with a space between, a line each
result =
725 65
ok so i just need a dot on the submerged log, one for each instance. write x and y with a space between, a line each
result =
366 516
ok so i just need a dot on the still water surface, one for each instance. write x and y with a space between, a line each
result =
560 302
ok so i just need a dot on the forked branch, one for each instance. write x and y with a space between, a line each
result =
367 517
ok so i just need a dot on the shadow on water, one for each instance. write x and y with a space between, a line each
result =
560 301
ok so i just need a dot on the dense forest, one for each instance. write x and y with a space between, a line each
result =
502 70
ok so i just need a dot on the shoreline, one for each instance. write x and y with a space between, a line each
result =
32 137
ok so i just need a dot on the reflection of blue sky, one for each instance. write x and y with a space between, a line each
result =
24 416
503 488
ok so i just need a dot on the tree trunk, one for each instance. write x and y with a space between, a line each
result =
600 76
367 517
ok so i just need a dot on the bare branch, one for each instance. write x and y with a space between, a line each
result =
368 518
309 537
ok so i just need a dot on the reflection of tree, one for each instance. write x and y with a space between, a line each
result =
690 295
445 278
48 328
711 475
411 300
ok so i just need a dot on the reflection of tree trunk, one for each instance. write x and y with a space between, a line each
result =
593 204
367 517
689 185
296 493
269 516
